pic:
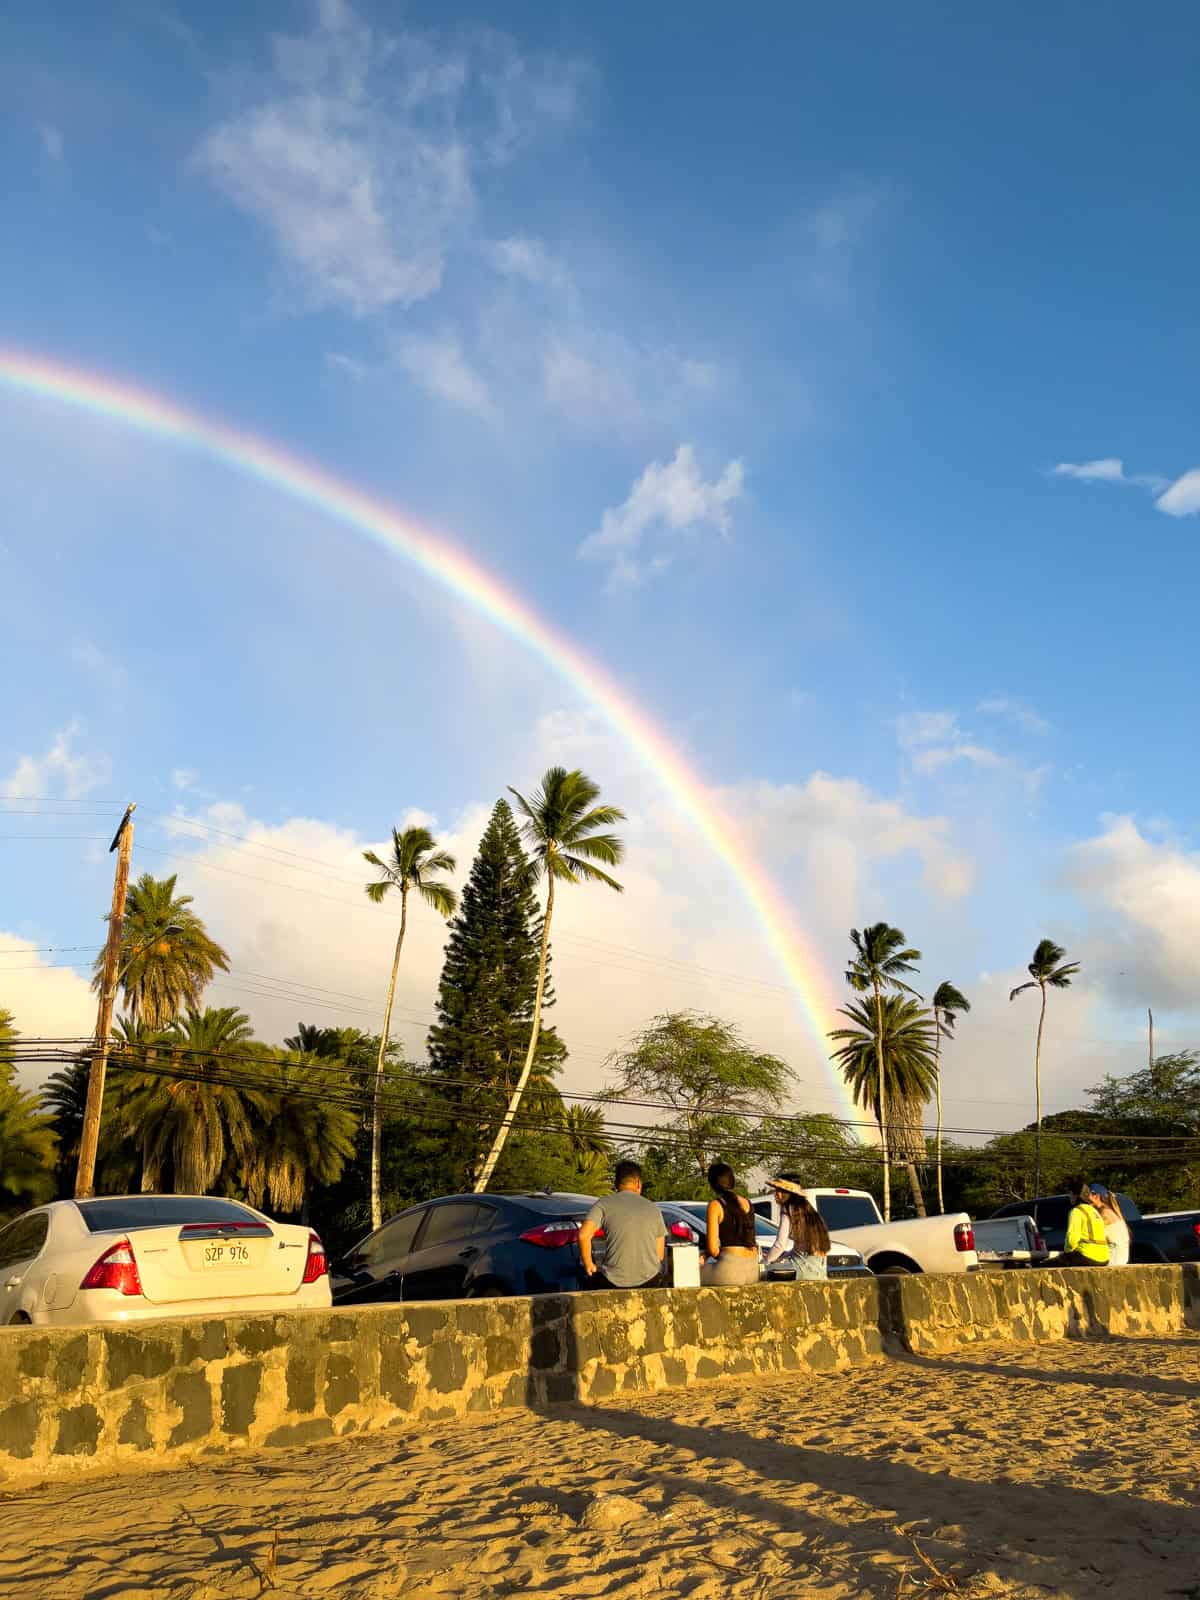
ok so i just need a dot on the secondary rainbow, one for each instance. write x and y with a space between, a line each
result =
446 564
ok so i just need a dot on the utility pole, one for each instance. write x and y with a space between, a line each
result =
89 1139
1150 1014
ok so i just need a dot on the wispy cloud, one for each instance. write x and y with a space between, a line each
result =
530 260
361 156
348 366
1010 710
1109 469
438 364
100 665
936 740
926 727
669 498
60 771
52 140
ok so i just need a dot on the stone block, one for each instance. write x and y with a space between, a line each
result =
132 1355
78 1431
545 1349
239 1395
204 1341
301 1380
293 1433
426 1322
19 1428
191 1393
341 1384
447 1367
72 1365
714 1315
35 1358
134 1429
255 1338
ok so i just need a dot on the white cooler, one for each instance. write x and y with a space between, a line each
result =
683 1266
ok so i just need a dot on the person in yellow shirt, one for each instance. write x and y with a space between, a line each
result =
1086 1245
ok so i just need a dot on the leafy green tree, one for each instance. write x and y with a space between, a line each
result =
820 1148
711 1078
587 1140
895 1030
27 1139
487 995
881 960
947 1005
192 1112
308 1134
64 1097
415 862
1049 969
166 959
561 831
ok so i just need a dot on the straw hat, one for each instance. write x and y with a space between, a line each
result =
788 1185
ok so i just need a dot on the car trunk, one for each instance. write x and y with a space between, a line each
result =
215 1261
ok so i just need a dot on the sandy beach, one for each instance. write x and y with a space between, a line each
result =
1063 1470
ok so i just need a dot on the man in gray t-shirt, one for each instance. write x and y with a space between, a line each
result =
635 1239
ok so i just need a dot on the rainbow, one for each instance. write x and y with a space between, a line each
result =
442 561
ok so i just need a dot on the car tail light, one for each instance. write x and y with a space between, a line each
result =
553 1235
1196 1229
1038 1242
317 1264
680 1230
964 1236
115 1269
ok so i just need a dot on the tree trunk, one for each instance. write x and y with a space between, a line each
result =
914 1184
376 1108
937 1070
489 1166
1037 1084
883 1108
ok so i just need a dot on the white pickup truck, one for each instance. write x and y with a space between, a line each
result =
919 1244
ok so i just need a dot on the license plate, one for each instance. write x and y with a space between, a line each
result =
226 1253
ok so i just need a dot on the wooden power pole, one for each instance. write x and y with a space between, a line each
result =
1150 1014
89 1139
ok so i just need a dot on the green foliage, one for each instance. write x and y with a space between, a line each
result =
908 1051
1048 969
713 1080
415 861
486 998
27 1139
64 1097
166 958
560 829
820 1148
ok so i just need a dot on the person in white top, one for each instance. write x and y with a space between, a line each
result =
783 1239
1116 1229
807 1242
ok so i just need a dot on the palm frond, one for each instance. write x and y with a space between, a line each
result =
1020 989
583 871
377 891
439 896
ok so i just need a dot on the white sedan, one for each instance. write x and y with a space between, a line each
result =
129 1258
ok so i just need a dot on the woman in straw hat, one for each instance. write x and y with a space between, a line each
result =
807 1244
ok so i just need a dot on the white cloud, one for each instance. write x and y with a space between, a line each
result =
99 664
1143 902
52 140
937 757
439 366
362 155
668 498
529 260
926 727
1182 499
60 771
1108 470
47 1000
1010 710
348 366
183 777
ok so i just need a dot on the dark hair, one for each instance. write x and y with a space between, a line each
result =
810 1236
720 1177
1075 1188
625 1173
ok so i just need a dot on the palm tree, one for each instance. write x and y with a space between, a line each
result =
560 833
946 1004
167 958
27 1136
587 1137
308 1138
415 859
1048 969
189 1115
896 1096
880 957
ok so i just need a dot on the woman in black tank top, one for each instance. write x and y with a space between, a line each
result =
732 1238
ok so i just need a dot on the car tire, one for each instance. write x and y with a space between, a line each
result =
894 1269
20 1321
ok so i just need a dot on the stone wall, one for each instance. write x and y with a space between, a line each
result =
73 1400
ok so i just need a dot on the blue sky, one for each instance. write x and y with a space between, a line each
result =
746 349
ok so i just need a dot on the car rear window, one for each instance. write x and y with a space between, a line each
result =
846 1210
126 1212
